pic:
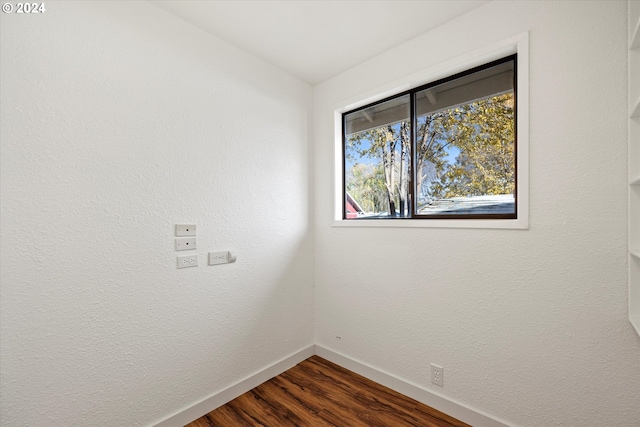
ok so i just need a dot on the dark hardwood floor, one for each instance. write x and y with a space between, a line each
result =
318 393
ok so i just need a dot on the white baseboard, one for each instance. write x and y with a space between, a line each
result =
455 409
187 415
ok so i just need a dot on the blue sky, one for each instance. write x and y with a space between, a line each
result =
452 151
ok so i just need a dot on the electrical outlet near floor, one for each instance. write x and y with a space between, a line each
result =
437 375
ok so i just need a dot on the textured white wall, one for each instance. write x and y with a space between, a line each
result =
119 121
531 326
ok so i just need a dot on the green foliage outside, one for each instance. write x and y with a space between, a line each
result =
366 184
481 133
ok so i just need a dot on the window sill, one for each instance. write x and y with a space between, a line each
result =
510 224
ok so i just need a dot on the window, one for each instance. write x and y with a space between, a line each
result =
444 150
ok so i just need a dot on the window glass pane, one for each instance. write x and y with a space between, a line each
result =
377 160
465 159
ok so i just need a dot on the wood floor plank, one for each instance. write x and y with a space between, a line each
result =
395 401
356 406
318 393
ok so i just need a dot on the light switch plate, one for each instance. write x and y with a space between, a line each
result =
185 243
185 230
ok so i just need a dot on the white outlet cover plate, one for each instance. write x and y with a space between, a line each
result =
216 258
185 243
185 230
186 261
437 375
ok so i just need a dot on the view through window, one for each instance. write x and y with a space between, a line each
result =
443 150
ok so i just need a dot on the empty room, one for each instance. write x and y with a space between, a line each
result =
210 201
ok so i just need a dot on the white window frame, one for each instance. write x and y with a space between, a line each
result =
518 44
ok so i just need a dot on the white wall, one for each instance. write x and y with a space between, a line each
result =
119 121
530 325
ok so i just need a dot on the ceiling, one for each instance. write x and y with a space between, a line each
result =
317 39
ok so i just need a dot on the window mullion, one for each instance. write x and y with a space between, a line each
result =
412 154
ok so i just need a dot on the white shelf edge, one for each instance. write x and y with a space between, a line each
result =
634 41
635 111
635 322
